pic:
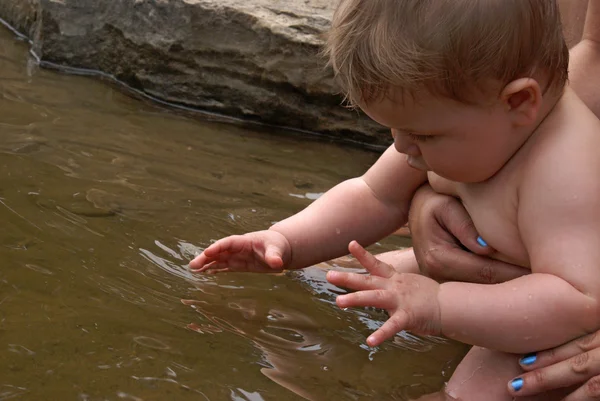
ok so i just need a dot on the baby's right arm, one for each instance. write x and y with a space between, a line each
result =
366 209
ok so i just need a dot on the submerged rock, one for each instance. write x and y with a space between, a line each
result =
258 60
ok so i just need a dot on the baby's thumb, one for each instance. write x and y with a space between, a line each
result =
273 257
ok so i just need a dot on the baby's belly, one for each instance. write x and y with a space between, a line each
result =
494 215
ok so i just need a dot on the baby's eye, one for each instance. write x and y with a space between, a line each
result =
420 138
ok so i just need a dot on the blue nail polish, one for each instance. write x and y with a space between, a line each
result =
481 242
517 384
528 359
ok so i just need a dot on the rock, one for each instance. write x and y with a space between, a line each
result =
258 60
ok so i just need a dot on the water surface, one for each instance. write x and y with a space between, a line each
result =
104 199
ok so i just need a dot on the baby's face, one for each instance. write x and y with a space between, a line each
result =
464 143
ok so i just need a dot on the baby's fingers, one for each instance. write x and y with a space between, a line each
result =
233 244
238 265
376 298
353 281
370 262
199 263
210 254
395 324
273 257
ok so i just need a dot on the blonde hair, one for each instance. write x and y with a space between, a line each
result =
452 48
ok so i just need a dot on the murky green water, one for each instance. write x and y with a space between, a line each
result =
104 199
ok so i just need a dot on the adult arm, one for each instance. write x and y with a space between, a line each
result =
584 71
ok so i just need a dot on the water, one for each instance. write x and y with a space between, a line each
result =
105 199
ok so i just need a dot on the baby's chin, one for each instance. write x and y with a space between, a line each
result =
468 176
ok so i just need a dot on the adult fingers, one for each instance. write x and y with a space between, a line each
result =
561 353
590 391
453 217
573 371
453 263
370 262
353 281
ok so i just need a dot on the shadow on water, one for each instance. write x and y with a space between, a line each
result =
105 199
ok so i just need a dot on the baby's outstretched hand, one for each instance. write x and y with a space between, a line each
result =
258 252
411 300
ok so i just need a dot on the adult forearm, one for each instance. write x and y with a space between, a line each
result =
584 75
591 29
347 212
530 313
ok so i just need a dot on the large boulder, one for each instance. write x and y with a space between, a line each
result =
255 59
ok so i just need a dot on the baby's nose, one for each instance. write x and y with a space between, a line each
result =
403 144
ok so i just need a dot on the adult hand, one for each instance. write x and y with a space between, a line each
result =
440 227
576 363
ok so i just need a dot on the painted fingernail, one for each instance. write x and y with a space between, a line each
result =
481 242
517 384
528 359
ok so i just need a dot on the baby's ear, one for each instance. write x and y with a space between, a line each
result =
522 99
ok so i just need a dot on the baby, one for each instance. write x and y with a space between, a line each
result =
474 92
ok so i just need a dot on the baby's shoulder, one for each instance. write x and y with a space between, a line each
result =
566 150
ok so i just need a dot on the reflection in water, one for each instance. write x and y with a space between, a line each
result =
104 200
303 353
10 392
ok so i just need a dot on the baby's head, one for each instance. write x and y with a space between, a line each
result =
480 54
452 48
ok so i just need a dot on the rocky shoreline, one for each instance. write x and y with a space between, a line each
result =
255 60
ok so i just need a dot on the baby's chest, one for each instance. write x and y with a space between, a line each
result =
493 208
